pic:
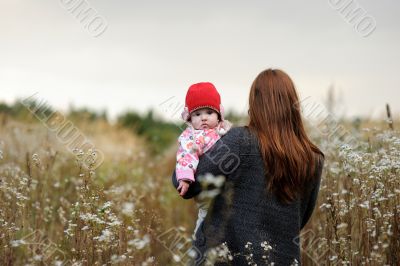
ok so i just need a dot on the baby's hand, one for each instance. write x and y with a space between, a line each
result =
183 187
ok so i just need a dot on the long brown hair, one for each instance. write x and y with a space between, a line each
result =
290 158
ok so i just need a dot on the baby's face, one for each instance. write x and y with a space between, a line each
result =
204 118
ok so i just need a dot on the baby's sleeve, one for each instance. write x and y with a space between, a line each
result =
187 157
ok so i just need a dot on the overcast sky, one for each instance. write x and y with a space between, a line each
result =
151 51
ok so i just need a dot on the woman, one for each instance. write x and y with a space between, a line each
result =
272 172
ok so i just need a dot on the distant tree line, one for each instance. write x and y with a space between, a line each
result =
159 133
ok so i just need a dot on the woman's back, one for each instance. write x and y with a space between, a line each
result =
246 215
272 172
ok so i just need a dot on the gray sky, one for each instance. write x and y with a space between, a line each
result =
152 51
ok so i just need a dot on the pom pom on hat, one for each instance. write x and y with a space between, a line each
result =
185 114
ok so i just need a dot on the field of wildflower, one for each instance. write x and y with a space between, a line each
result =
55 209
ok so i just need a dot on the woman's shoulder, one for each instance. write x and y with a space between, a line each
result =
237 131
243 135
235 134
240 140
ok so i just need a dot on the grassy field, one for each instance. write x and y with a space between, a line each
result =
56 210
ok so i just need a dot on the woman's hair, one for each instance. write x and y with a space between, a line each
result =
290 158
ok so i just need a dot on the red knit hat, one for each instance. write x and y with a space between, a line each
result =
202 95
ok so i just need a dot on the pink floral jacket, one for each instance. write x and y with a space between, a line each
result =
192 144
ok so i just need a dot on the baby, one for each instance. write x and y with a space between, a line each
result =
204 116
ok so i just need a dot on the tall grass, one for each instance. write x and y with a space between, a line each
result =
55 210
357 219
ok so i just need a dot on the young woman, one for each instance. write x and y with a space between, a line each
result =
272 172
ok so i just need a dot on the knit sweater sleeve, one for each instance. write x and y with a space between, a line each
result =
309 202
222 159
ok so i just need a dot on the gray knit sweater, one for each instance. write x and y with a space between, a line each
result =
245 215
